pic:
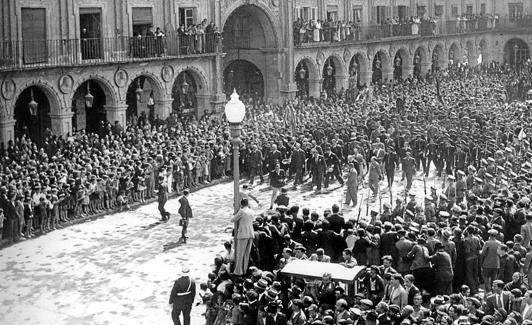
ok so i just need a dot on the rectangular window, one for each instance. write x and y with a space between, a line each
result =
454 11
514 10
187 16
142 19
438 10
482 8
380 17
306 13
357 15
34 35
469 9
90 23
332 13
402 13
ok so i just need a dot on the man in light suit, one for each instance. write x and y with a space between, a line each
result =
244 234
398 294
526 306
526 231
499 299
527 267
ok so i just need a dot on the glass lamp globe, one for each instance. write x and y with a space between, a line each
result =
235 110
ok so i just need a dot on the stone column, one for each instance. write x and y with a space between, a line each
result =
116 113
163 108
204 104
314 87
62 122
341 82
289 87
218 98
407 70
7 130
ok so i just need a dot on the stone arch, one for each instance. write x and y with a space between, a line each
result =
157 84
112 97
483 47
51 94
309 84
454 53
313 72
260 11
406 64
362 73
438 57
420 61
516 50
199 77
469 53
336 81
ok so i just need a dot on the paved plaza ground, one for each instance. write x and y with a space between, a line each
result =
120 269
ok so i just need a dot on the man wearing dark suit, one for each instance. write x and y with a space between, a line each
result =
334 167
332 243
273 316
297 163
443 267
316 164
182 297
277 178
387 244
375 284
498 299
274 157
162 197
336 222
11 219
255 164
186 213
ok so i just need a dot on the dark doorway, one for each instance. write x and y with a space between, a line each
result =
90 119
33 126
184 94
301 77
516 52
90 24
245 77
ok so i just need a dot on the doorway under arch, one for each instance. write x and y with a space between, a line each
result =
516 52
141 95
32 115
301 77
380 61
184 94
250 34
245 77
91 118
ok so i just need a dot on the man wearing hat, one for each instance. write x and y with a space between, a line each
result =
499 299
490 259
182 297
409 169
351 194
443 270
334 167
317 166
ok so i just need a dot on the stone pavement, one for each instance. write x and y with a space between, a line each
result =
120 269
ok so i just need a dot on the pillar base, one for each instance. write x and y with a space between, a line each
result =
163 108
62 123
218 102
288 91
116 113
7 131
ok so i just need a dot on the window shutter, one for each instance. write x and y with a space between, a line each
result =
142 16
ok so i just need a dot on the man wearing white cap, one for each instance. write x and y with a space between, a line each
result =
182 297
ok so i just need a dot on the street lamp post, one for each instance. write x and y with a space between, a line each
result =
235 112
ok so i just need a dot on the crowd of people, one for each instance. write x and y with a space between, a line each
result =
309 30
460 255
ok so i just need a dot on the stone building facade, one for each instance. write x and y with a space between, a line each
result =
68 64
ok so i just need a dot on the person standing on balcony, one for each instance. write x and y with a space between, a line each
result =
159 41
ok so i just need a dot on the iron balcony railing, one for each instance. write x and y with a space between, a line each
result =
345 33
68 52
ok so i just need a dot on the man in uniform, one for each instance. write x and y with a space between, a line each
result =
297 163
391 162
182 297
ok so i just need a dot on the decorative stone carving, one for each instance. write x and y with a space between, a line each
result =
320 57
66 84
167 73
121 78
8 89
347 55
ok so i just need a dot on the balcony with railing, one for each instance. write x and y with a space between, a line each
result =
310 36
30 54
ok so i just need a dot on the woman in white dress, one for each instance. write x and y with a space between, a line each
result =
317 27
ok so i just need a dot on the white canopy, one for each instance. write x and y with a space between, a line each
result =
314 269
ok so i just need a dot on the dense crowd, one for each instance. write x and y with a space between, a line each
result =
460 255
